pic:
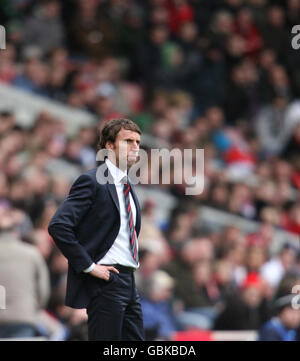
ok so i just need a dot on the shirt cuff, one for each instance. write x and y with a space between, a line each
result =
89 269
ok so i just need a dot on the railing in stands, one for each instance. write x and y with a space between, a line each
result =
27 106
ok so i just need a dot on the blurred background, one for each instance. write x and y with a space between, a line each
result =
220 75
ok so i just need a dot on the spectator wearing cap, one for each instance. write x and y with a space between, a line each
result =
283 326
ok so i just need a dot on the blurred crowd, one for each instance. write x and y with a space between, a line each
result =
219 75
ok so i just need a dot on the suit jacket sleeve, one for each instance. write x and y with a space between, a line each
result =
66 219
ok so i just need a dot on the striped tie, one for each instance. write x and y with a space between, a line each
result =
132 232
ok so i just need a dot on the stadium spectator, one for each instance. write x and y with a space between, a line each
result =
24 276
44 28
247 312
275 268
283 326
159 320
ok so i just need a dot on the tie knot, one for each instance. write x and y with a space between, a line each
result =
124 180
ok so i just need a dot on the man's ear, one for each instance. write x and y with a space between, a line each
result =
109 145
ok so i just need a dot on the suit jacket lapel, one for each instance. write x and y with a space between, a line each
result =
110 185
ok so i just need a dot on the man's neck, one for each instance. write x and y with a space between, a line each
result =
117 164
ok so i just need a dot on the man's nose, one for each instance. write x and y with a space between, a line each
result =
136 146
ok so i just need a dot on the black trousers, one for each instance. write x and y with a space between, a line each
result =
114 312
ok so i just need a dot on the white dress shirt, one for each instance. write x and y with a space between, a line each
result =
120 252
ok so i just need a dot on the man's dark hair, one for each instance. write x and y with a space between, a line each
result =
112 128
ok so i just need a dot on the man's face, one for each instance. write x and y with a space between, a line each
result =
126 147
290 317
6 222
252 296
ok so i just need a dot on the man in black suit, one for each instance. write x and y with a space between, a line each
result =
96 228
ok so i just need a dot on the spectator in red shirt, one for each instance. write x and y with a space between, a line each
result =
246 28
180 12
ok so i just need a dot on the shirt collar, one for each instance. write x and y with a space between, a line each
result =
116 172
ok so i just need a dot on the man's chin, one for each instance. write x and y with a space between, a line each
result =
131 161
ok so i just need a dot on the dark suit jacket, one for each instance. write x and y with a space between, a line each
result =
84 228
